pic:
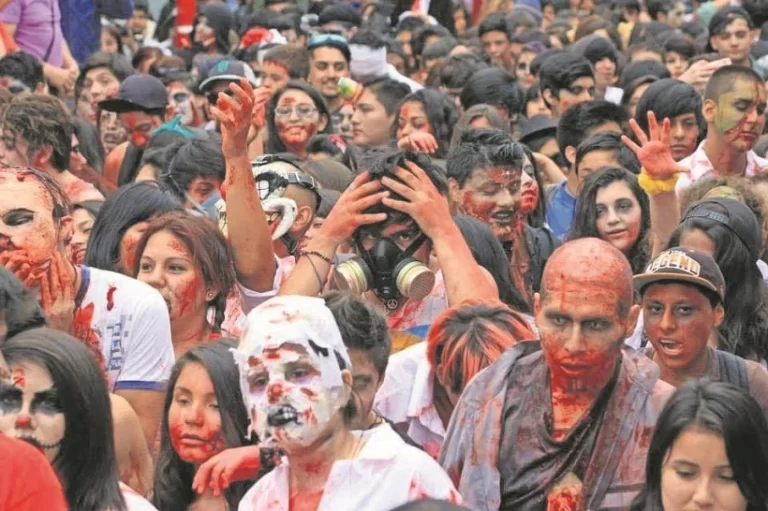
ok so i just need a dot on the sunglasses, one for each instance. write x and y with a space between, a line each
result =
213 97
180 97
327 37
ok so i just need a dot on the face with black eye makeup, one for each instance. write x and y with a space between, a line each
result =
26 217
30 409
619 217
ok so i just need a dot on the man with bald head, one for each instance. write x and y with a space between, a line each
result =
563 422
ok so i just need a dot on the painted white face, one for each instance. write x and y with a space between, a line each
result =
288 403
30 409
290 374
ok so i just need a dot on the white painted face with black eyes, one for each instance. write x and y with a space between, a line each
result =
30 409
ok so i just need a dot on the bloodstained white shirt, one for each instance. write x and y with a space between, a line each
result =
405 396
701 168
386 474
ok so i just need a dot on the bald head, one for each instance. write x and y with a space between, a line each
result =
590 263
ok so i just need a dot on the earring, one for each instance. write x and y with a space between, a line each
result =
209 295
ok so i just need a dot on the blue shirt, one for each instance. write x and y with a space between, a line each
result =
561 209
81 27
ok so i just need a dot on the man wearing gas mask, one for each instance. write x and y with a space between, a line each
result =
396 215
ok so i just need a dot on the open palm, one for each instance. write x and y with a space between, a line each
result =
654 152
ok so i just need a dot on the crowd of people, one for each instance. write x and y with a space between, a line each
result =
364 256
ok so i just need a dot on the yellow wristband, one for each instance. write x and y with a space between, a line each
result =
656 186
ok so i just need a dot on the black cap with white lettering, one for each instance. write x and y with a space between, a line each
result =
683 265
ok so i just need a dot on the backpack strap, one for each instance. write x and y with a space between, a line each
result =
733 369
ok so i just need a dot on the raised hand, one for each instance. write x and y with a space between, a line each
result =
419 142
423 202
348 214
654 152
235 116
260 98
57 294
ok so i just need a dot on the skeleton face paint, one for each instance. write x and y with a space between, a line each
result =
289 365
30 409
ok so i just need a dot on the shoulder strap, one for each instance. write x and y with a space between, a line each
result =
733 369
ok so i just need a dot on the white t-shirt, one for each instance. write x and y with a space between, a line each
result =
134 501
130 322
387 473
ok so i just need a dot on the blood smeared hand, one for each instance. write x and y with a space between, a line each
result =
423 202
57 294
419 142
654 152
230 465
259 119
235 117
348 214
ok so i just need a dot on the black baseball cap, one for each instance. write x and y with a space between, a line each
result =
137 93
683 265
537 126
734 215
727 15
229 71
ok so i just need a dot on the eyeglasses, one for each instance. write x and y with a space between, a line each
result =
303 111
213 97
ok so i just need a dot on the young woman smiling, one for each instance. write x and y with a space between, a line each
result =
187 259
295 114
614 208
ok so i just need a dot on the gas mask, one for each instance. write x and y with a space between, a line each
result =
392 274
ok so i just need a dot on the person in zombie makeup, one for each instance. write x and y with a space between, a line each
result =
187 259
709 451
734 109
211 29
60 404
36 131
577 124
614 208
731 33
296 379
491 178
583 407
83 216
682 104
141 106
682 293
123 322
122 221
376 112
203 415
566 80
218 80
424 382
329 61
172 71
425 122
295 114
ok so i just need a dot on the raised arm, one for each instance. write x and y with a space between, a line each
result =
464 278
658 178
247 227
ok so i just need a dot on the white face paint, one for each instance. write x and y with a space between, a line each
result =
30 409
290 374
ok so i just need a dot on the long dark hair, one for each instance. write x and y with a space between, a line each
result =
173 476
745 327
585 222
209 249
442 115
274 143
131 204
726 411
489 253
86 463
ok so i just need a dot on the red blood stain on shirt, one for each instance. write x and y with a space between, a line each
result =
18 378
82 329
563 501
111 297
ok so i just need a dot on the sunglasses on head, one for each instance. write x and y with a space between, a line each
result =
273 182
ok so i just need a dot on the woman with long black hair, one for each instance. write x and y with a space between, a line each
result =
295 114
425 122
709 450
60 403
203 415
